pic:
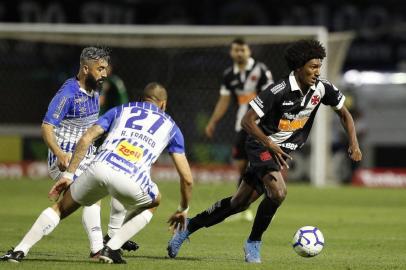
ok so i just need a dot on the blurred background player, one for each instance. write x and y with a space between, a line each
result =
137 134
285 111
113 92
241 81
73 109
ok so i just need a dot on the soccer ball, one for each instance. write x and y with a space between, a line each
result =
308 241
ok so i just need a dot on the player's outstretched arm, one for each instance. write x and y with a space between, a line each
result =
348 123
178 219
219 111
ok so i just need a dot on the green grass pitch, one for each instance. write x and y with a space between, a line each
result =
363 229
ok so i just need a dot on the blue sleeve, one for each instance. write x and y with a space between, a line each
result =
107 119
177 142
58 108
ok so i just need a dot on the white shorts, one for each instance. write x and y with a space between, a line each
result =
99 180
55 173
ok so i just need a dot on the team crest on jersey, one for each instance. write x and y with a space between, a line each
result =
315 99
130 152
254 78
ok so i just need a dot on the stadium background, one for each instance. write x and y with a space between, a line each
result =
363 227
31 72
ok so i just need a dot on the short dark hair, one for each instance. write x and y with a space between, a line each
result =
239 41
95 53
155 91
298 53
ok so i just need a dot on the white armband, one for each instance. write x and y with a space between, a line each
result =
68 175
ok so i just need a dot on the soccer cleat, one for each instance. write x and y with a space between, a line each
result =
13 256
129 245
94 256
252 251
176 241
107 255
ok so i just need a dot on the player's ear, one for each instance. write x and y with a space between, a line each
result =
85 69
162 105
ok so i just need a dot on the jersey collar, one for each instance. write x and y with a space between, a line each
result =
249 66
294 86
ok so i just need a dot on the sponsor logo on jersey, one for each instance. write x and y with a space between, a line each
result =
59 109
315 99
292 125
130 152
259 102
287 103
277 88
235 82
82 109
265 156
291 146
81 99
120 163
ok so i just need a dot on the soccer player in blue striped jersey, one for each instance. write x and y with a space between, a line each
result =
137 133
74 109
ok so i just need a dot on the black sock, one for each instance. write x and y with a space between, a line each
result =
266 210
213 215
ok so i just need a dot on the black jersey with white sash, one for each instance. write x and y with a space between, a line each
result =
287 115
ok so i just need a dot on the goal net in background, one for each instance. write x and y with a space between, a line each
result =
35 59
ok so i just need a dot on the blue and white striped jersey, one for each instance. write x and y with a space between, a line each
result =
71 111
138 132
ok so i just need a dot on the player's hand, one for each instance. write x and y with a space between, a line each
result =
210 129
355 153
63 161
60 186
177 221
279 154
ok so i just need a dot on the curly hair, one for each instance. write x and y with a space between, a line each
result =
297 54
94 53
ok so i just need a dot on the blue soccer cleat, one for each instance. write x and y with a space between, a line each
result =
252 251
176 241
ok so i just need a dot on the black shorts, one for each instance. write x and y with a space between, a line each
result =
238 151
261 162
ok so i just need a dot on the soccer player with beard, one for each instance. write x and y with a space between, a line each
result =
74 109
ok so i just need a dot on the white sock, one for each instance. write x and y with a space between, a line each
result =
91 222
129 229
117 215
44 225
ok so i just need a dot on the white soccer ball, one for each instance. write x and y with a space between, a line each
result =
308 241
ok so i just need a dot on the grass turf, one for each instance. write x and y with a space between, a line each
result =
363 228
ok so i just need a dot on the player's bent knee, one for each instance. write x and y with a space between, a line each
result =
279 195
66 206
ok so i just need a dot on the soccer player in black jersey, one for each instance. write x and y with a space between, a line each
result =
242 81
278 122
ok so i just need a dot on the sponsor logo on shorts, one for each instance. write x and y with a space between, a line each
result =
130 152
265 156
